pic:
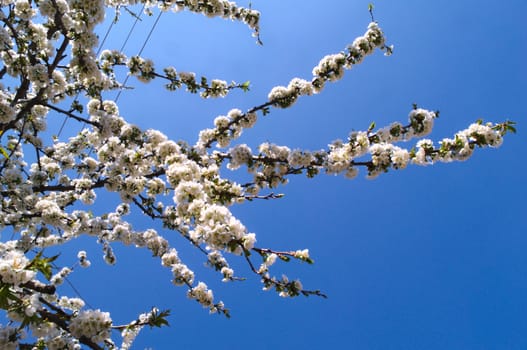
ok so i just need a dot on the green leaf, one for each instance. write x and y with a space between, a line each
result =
371 127
41 345
509 126
5 295
76 106
245 86
158 319
233 245
4 153
42 264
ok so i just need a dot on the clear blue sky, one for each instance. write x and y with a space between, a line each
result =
424 258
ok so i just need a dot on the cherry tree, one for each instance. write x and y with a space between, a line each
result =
53 65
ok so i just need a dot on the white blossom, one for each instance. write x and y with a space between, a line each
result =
93 324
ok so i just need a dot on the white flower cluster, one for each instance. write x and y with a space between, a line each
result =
93 324
340 156
129 334
8 337
7 112
24 10
302 254
33 305
83 259
13 270
240 154
57 340
300 158
461 147
142 69
269 260
421 122
483 134
203 295
218 88
58 278
219 8
182 275
219 228
292 288
284 97
271 174
210 8
274 163
283 286
110 58
227 128
330 68
74 304
45 330
216 260
380 145
384 155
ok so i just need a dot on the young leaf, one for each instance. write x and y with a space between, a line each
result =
158 319
4 153
370 10
42 264
245 86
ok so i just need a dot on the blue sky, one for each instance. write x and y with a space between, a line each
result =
423 258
